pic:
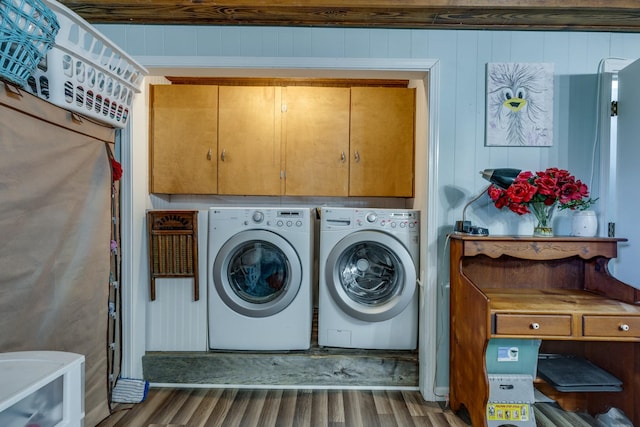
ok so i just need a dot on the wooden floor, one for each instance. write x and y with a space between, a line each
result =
175 407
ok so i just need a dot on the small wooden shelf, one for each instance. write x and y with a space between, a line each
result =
173 247
555 289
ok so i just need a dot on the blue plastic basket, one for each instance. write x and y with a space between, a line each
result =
28 29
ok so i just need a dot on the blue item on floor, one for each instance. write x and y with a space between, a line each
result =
129 390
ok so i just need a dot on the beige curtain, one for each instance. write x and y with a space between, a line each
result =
55 211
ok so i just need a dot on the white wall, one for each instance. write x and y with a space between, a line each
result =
462 56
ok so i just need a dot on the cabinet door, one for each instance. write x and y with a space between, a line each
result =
249 140
316 138
184 131
382 142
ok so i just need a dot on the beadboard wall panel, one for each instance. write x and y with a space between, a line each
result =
175 322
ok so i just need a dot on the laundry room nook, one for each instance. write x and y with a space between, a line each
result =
301 263
263 325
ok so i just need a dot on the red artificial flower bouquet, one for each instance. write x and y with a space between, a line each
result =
540 193
549 187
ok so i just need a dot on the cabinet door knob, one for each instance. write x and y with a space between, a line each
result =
624 327
209 154
356 156
535 325
343 158
223 155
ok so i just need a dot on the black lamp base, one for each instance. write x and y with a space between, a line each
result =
463 226
466 228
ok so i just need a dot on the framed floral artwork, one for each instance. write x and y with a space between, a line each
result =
519 111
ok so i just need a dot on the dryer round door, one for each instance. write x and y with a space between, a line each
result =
257 273
371 276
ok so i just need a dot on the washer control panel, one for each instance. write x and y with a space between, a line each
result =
291 219
286 218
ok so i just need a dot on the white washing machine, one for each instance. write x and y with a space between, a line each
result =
259 277
368 296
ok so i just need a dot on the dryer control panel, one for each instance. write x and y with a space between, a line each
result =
388 219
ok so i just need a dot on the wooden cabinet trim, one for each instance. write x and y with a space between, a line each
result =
537 248
285 82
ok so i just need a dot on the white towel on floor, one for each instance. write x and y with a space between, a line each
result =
129 390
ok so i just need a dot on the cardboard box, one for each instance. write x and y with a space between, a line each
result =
511 398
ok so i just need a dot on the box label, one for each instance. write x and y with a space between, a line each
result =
508 411
508 354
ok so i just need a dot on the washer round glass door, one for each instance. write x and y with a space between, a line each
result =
257 273
371 276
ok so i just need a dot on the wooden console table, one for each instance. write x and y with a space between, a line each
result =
555 289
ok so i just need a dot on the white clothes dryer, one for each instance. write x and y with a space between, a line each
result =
259 277
369 263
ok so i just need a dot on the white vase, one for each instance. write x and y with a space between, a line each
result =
584 224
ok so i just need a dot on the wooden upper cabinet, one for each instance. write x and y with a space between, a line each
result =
183 133
382 142
249 140
291 140
316 140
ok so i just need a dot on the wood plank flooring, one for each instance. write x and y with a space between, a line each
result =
202 407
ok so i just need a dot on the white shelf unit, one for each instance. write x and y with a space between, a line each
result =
44 388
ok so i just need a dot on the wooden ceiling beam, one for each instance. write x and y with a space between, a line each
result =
592 15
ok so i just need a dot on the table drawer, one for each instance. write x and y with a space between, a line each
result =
611 326
532 324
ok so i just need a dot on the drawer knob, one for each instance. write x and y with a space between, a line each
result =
535 325
624 327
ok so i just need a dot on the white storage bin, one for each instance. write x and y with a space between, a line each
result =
86 73
41 388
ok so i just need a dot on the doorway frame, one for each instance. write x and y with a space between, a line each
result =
135 195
